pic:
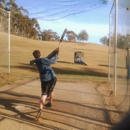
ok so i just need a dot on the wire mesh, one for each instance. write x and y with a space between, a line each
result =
59 9
21 48
119 53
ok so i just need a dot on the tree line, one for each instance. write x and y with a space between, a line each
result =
122 41
22 25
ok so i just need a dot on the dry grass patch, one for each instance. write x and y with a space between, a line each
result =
96 57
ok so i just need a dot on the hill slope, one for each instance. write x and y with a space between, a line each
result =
96 57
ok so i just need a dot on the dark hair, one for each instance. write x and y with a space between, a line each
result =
36 54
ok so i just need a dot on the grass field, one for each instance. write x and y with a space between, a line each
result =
96 57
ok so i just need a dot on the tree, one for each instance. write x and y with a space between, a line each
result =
71 35
83 36
123 41
49 35
104 40
36 24
3 4
55 37
20 23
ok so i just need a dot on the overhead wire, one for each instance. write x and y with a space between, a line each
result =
64 14
65 8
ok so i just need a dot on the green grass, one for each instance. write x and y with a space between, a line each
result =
96 57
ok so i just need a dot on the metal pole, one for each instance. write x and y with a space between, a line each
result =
109 47
109 55
115 47
8 12
9 43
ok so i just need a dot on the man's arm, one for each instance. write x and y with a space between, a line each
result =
32 62
51 61
53 53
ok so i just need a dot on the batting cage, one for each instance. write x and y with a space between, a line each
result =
12 55
4 41
119 53
78 103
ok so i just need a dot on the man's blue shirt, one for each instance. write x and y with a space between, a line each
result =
45 71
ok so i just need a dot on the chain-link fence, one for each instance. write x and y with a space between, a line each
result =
119 53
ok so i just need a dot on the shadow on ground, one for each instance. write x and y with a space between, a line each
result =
66 70
10 100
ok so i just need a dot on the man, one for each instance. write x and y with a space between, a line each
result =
47 77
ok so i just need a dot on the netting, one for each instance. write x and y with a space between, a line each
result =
54 10
4 41
21 54
45 10
119 53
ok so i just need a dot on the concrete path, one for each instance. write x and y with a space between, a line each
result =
77 106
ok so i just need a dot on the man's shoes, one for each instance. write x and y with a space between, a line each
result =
38 115
48 105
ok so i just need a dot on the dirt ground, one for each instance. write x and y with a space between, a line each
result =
76 106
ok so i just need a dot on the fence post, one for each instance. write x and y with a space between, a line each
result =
9 42
115 46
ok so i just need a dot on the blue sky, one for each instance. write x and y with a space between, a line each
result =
89 15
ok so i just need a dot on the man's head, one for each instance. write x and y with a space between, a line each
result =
37 54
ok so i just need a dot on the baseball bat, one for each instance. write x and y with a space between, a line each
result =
63 34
